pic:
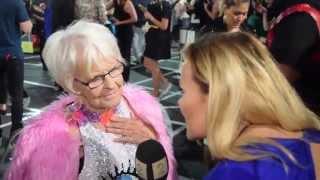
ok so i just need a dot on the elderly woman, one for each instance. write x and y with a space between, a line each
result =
236 97
101 118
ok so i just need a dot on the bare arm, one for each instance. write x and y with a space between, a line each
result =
26 26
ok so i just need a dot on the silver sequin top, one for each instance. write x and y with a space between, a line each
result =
103 158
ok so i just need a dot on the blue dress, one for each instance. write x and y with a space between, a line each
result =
273 168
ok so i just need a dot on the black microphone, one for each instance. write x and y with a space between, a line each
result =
151 161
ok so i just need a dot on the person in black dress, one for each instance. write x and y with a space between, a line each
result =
124 17
158 43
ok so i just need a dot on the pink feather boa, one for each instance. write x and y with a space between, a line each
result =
46 150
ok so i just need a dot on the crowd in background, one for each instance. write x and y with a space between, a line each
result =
269 46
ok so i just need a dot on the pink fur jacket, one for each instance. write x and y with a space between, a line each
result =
46 150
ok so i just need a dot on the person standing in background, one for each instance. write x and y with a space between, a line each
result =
138 42
233 17
158 43
124 17
94 10
235 96
205 11
258 19
63 13
13 19
294 41
37 12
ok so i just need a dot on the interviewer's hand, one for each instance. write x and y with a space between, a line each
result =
132 130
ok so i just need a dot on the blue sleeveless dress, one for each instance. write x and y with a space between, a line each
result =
279 167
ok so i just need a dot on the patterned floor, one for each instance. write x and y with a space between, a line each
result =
40 87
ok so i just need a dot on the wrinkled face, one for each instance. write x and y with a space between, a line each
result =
193 104
235 15
105 96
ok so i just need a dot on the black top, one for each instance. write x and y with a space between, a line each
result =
62 13
119 12
296 39
201 13
160 9
218 25
158 40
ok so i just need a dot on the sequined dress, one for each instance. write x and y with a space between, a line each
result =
103 158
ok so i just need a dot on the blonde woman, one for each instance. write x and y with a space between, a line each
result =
235 96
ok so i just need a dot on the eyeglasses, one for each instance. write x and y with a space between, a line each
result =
99 80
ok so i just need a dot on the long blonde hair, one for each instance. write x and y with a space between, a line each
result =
244 85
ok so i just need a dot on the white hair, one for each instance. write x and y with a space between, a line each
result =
90 41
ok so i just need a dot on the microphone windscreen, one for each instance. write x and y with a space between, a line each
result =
151 161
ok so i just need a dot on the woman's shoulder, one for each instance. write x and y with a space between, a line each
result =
276 167
48 125
135 92
228 169
141 100
47 140
146 106
52 115
264 169
312 135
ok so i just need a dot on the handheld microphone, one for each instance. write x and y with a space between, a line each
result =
151 161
